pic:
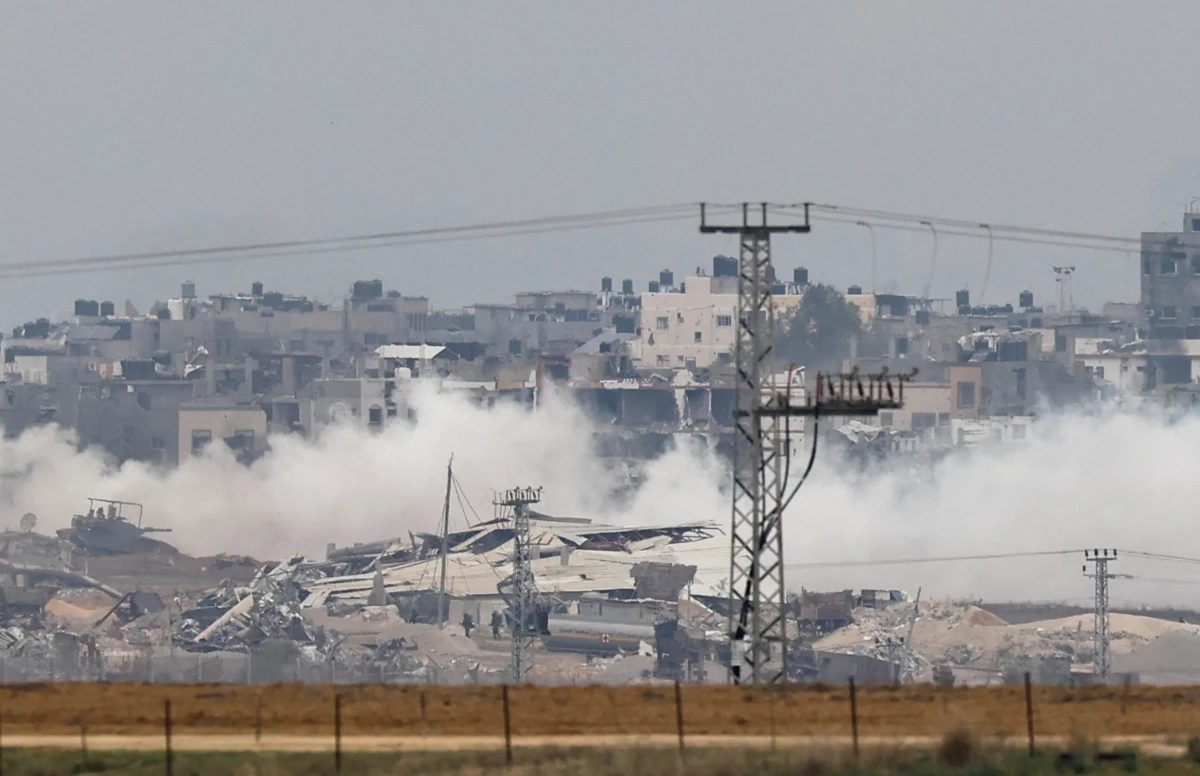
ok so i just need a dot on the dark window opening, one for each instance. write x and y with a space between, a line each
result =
966 395
1167 266
242 439
200 439
1175 370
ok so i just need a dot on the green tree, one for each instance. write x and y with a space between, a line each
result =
817 334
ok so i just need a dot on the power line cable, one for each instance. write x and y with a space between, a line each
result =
991 556
600 219
917 561
1159 556
977 229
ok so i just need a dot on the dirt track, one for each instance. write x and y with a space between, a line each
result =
399 711
246 743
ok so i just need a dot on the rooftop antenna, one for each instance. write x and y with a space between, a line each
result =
1066 292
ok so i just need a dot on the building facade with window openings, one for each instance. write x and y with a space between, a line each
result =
1170 271
692 326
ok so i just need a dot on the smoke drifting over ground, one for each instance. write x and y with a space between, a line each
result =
1107 480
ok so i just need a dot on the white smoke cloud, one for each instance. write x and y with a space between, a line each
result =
1102 480
350 485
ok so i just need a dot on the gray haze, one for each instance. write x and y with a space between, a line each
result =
148 125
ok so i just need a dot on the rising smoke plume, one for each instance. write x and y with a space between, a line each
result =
1101 480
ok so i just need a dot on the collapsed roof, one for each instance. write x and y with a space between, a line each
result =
571 557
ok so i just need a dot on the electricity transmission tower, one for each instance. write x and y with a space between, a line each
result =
762 420
1100 635
519 589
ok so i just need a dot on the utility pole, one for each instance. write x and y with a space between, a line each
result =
757 596
443 611
519 589
905 675
1100 558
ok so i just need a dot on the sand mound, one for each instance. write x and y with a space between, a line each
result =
977 616
68 611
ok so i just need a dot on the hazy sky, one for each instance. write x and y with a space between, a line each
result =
148 125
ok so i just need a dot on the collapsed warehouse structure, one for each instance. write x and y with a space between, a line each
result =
370 612
621 603
573 557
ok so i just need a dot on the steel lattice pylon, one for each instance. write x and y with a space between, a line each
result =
519 589
1101 657
758 637
762 413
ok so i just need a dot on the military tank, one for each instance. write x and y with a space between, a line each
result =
107 529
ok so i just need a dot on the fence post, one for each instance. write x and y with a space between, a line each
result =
424 715
854 717
1029 712
508 758
83 738
167 731
1125 693
337 733
258 708
776 692
679 715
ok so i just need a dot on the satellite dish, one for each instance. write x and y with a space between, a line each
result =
28 521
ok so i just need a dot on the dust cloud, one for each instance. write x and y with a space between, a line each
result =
1101 479
1104 479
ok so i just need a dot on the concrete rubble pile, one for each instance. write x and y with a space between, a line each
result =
369 612
268 608
978 647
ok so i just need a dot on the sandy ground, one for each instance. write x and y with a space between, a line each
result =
1150 745
563 713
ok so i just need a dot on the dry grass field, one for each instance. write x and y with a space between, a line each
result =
397 710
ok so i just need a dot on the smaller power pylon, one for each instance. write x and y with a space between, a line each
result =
519 589
1102 658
